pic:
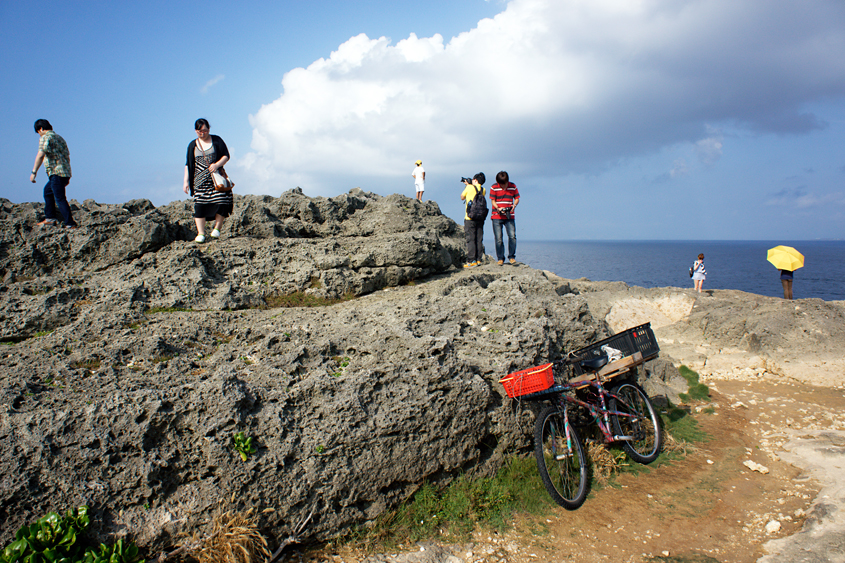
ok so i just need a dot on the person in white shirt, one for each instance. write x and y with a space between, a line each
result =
419 179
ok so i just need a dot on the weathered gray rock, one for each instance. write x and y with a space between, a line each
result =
727 333
133 356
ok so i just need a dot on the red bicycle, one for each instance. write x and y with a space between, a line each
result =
623 413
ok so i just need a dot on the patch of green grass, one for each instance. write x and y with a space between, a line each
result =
42 333
683 426
90 365
302 299
454 511
154 310
342 363
697 391
163 358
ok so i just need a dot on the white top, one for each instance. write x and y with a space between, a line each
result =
418 175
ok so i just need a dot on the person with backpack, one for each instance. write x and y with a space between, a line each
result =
475 214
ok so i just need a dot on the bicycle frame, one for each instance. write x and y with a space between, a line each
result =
597 409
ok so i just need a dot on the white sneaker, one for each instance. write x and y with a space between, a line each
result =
200 238
215 234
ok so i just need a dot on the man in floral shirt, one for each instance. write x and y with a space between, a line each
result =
53 152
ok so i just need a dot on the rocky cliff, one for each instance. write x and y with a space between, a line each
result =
132 356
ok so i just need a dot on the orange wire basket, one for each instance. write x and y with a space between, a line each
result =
528 381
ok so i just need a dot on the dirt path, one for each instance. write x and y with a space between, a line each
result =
708 507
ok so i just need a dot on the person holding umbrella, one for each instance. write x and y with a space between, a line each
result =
786 280
787 260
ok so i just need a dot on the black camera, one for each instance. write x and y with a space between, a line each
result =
480 177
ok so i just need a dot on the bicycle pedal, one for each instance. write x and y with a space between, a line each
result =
623 438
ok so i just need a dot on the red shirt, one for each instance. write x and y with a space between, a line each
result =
504 197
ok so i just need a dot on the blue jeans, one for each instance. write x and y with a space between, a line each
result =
54 196
510 227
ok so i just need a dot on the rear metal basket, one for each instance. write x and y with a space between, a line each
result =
638 339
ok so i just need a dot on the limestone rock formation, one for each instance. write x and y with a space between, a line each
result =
132 356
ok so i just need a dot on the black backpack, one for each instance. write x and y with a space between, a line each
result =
477 208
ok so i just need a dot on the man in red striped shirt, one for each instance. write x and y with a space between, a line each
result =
504 198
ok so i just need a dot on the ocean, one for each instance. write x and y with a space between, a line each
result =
738 265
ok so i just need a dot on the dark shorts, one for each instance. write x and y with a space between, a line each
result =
210 210
225 209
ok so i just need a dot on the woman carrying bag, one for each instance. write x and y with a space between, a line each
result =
698 273
205 159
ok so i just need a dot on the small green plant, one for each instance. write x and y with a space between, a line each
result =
343 363
120 552
52 538
42 333
244 445
697 391
320 449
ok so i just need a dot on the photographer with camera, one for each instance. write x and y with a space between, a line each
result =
473 227
504 197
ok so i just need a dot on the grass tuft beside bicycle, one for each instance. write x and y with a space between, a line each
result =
597 385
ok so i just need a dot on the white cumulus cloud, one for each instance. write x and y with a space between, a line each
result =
550 87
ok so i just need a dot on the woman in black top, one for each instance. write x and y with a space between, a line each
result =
207 154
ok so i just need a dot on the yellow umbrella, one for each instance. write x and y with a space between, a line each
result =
785 258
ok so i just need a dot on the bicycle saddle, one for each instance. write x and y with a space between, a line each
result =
594 364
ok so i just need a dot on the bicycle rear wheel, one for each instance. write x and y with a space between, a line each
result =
560 459
640 422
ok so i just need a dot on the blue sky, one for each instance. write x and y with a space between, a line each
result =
617 119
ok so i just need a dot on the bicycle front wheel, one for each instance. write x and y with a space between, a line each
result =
560 459
638 425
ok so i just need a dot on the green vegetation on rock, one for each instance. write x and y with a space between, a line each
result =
697 391
59 539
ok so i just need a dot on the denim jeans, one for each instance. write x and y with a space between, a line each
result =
54 196
510 227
